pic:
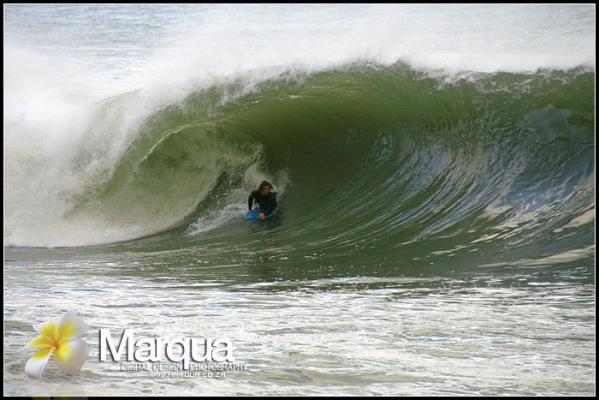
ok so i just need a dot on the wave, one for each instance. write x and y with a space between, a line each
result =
367 156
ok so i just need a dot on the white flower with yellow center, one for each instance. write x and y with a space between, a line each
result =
62 339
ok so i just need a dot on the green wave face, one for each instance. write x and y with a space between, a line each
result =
380 162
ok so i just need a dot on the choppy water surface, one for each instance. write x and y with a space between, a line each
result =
436 182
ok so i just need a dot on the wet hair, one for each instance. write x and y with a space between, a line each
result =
264 183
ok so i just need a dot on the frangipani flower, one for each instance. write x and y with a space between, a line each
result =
61 338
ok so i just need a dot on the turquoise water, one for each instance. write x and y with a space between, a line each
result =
436 184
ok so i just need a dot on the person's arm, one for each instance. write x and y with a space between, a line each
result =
274 201
250 201
272 204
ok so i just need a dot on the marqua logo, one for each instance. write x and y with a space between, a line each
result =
178 350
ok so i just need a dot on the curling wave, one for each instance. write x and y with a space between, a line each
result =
384 158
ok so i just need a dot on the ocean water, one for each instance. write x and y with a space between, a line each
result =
435 169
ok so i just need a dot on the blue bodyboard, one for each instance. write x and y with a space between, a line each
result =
255 214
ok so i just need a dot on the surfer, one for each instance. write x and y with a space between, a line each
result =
266 199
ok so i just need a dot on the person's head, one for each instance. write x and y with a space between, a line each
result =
265 188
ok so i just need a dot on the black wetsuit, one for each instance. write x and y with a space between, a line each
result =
267 203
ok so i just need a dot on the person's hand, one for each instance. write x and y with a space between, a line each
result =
262 216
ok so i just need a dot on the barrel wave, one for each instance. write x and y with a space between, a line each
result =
383 161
